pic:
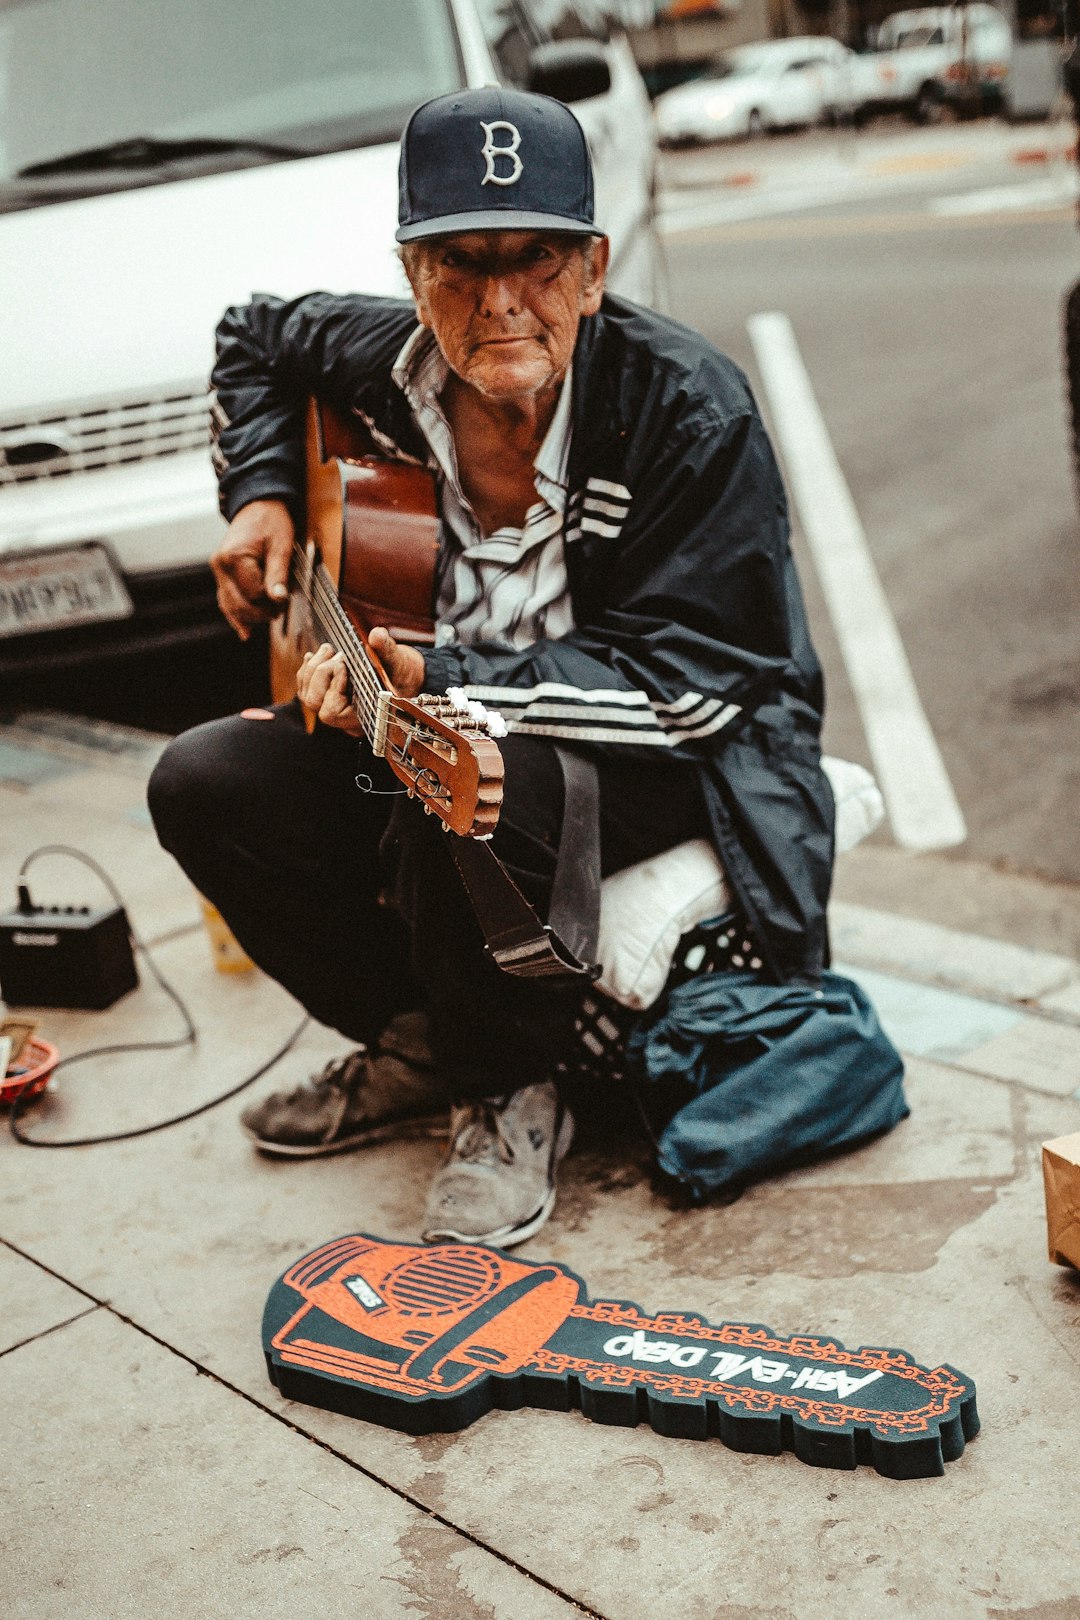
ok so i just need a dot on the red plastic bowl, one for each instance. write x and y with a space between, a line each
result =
42 1058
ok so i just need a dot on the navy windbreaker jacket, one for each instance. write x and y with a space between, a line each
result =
690 633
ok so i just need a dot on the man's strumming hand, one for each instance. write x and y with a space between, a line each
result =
252 565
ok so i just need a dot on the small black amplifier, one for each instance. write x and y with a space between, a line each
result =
65 956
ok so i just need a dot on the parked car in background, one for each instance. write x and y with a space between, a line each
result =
778 84
163 160
941 59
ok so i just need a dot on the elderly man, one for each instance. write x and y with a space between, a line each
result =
614 578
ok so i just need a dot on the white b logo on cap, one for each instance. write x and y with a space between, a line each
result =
492 152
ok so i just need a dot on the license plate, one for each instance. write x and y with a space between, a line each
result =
60 588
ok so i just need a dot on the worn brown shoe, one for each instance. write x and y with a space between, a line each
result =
356 1100
498 1183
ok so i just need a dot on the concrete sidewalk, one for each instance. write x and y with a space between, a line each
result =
151 1469
886 164
883 149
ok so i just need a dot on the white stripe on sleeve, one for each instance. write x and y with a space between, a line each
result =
608 508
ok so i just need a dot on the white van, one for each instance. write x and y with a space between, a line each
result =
164 159
942 57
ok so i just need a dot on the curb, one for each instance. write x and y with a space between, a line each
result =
928 953
983 1006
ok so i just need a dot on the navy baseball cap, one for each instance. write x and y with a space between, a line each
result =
494 160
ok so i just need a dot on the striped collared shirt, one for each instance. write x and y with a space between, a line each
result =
509 588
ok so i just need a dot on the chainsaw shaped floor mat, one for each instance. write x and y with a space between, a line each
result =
431 1338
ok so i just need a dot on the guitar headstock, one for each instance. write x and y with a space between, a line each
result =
447 757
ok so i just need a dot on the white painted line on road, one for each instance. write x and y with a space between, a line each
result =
910 770
730 207
1050 191
680 214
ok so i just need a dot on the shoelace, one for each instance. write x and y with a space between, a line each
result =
480 1132
339 1074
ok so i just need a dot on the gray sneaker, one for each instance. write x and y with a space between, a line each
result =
357 1100
498 1184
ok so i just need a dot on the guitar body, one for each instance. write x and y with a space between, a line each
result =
369 558
374 525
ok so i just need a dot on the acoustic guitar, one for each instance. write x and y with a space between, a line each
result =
369 558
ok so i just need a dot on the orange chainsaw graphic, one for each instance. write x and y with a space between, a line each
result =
430 1338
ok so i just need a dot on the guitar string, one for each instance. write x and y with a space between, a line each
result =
334 618
331 617
426 782
362 696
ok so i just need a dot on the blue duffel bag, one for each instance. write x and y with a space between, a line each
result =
780 1074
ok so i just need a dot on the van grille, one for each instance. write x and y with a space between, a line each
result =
105 435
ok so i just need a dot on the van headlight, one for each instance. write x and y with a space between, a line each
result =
718 107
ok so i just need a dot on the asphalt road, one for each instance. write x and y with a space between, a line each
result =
932 343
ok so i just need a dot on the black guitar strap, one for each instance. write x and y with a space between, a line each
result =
564 949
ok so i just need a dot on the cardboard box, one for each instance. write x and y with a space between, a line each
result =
1061 1178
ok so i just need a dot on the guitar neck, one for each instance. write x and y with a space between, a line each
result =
372 540
329 619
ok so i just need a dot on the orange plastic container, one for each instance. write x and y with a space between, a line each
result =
41 1058
229 955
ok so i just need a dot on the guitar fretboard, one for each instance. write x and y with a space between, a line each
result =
335 626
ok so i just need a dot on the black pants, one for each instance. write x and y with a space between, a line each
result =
270 825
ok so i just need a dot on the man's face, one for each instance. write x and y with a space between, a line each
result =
505 305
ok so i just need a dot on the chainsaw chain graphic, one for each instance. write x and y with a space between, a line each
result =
431 1338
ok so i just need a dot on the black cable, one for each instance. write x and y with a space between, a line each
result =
162 1124
188 1038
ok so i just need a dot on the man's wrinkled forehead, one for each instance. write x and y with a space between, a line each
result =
485 246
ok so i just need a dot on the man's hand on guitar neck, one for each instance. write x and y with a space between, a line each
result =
404 665
322 683
252 566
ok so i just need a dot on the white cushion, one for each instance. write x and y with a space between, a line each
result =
646 909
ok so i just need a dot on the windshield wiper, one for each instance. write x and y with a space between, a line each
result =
145 152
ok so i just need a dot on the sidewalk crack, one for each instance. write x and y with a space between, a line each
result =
51 1271
315 1440
33 1338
